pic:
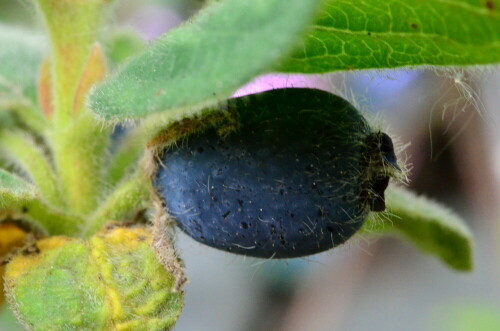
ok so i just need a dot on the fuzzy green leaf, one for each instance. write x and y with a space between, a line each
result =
13 189
20 57
205 60
395 33
19 199
21 149
112 281
430 226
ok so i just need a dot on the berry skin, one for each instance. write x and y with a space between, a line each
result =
288 173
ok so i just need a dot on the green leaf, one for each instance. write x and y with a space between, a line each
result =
19 199
430 226
21 53
203 61
14 189
21 149
394 33
112 281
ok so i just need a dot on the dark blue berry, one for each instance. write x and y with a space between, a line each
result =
283 173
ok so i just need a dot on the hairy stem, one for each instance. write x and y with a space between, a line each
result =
79 143
80 151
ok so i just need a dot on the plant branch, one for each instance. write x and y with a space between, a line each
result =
80 151
79 143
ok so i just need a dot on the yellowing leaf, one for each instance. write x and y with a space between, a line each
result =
11 237
112 281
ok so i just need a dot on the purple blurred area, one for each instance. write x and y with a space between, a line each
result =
367 284
153 21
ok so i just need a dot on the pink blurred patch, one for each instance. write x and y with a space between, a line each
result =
152 21
275 81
